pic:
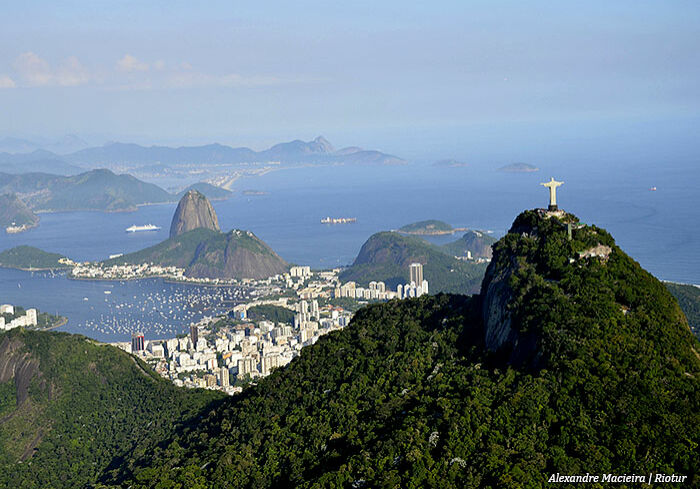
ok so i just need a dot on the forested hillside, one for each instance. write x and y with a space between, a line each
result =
590 367
70 409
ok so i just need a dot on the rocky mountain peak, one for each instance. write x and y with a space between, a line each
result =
322 145
554 283
193 211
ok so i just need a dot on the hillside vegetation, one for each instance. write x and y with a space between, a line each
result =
100 190
13 212
476 242
70 407
426 227
595 370
30 258
207 253
688 297
387 256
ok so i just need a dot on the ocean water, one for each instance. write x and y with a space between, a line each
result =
657 228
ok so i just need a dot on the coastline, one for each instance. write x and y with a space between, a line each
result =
61 322
165 278
46 269
22 228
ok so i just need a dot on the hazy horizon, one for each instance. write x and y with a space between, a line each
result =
424 81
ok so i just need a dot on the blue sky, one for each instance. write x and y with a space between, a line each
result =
449 79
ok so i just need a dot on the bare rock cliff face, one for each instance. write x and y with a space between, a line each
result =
496 295
501 331
18 365
193 211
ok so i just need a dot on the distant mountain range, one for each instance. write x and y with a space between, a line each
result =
38 160
66 144
102 190
27 157
15 213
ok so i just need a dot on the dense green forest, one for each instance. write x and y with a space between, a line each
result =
599 373
387 256
71 409
572 360
688 297
276 314
429 226
29 257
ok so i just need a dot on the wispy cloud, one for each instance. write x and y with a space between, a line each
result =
36 72
130 64
132 73
7 82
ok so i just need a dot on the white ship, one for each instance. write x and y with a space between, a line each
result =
147 227
338 220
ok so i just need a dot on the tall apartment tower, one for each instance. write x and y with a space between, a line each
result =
223 377
138 343
417 274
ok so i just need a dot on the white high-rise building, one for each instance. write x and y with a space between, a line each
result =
424 286
300 271
416 273
31 317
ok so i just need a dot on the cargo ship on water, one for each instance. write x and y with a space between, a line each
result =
338 220
147 227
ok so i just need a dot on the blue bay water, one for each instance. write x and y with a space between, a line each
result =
657 228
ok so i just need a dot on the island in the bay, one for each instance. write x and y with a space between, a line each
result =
519 168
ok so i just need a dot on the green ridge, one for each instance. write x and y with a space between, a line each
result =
386 257
73 407
28 257
431 225
409 396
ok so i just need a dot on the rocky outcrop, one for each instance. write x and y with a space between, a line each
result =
516 260
18 365
497 294
193 211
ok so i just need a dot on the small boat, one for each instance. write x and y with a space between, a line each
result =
652 189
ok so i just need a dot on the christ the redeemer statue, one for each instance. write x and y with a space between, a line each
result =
552 186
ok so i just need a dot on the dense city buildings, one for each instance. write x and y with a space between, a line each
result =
10 320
